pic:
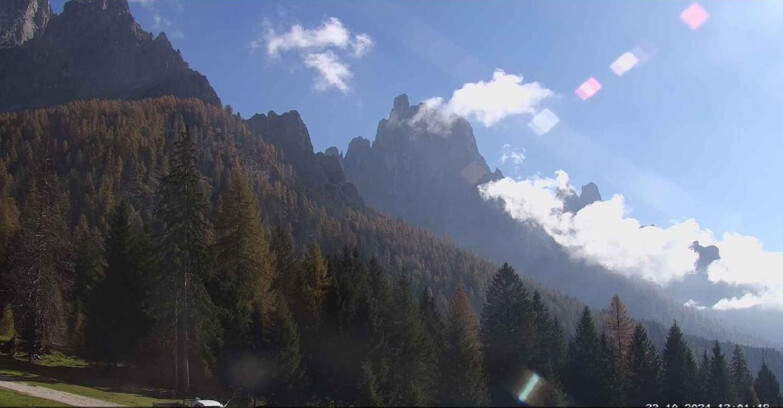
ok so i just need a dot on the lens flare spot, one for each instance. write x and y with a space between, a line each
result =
543 122
624 63
694 16
528 388
588 89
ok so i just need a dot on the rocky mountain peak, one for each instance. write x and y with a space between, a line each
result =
94 49
574 202
287 132
22 20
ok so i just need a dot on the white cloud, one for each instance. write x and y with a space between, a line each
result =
333 73
488 102
693 304
503 96
321 48
512 154
603 233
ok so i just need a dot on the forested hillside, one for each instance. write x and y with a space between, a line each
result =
164 233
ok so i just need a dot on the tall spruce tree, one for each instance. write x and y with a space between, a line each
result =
408 371
719 386
644 370
548 353
284 351
433 342
116 316
508 332
40 266
464 380
581 379
767 387
183 304
701 393
679 368
741 378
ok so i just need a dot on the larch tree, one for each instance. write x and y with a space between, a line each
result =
619 327
464 381
508 333
244 263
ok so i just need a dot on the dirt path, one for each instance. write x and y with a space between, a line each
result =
54 395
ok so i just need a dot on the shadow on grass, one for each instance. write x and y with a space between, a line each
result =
117 380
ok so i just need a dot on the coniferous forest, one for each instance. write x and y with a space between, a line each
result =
165 243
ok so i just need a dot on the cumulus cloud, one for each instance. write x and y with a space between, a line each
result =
489 102
604 233
321 48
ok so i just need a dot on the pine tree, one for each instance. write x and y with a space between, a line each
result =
116 316
644 370
581 379
244 263
719 386
507 328
40 266
464 380
741 379
182 301
679 368
767 387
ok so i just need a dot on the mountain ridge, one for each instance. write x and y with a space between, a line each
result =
95 49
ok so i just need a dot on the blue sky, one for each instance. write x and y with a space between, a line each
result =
694 132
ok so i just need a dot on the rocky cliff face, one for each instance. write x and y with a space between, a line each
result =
22 20
95 49
323 172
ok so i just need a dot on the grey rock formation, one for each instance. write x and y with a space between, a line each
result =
322 171
22 20
95 49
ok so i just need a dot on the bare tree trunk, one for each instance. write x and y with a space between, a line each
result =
186 368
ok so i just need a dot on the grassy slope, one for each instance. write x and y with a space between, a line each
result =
65 373
12 399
